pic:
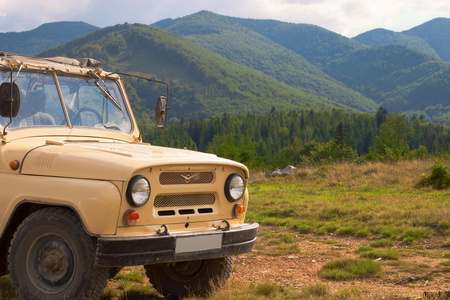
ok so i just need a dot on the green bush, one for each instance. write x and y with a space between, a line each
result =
439 179
439 175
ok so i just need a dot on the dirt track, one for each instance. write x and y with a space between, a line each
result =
303 268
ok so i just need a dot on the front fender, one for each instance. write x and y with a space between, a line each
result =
96 202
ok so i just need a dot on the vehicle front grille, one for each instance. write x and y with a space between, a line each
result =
190 201
174 178
184 200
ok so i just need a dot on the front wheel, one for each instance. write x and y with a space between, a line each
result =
190 278
52 257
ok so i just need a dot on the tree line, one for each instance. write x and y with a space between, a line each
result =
278 138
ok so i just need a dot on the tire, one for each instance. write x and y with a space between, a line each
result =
52 257
189 278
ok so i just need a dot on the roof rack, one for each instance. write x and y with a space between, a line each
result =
76 62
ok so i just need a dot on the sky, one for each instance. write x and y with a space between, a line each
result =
346 17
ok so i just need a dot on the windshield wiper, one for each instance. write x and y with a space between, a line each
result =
114 127
105 90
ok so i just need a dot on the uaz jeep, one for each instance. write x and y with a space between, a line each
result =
82 196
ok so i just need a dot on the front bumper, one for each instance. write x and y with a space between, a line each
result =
133 251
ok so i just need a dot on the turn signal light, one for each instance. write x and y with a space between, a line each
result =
14 164
238 210
131 217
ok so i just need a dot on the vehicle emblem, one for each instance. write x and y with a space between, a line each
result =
189 177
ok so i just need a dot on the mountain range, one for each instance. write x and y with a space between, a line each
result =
429 37
46 36
217 64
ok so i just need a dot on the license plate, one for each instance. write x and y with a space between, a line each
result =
198 243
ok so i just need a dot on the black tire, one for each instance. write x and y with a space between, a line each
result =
52 257
189 278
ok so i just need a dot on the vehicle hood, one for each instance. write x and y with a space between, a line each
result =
109 161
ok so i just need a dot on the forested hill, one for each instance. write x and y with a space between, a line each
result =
43 37
406 71
435 33
239 40
221 64
315 44
203 83
382 37
279 138
430 37
398 77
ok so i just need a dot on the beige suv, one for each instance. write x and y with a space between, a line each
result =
82 196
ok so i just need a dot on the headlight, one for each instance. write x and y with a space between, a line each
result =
138 191
234 187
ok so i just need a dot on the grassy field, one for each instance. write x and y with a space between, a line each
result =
375 200
343 231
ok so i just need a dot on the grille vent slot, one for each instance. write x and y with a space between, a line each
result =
173 178
171 212
184 200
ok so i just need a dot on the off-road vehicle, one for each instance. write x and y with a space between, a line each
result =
82 195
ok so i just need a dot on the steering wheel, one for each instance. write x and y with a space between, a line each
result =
77 118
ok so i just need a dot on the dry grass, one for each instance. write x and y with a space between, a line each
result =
366 200
372 174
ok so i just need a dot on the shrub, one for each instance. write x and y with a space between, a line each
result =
419 153
439 179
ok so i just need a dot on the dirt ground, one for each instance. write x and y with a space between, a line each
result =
297 264
301 269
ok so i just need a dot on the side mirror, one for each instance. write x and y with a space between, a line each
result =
9 106
161 112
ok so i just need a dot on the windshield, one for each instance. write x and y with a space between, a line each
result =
86 103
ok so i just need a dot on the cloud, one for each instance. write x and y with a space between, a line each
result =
347 17
28 14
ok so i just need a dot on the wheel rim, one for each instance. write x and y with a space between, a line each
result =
50 264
